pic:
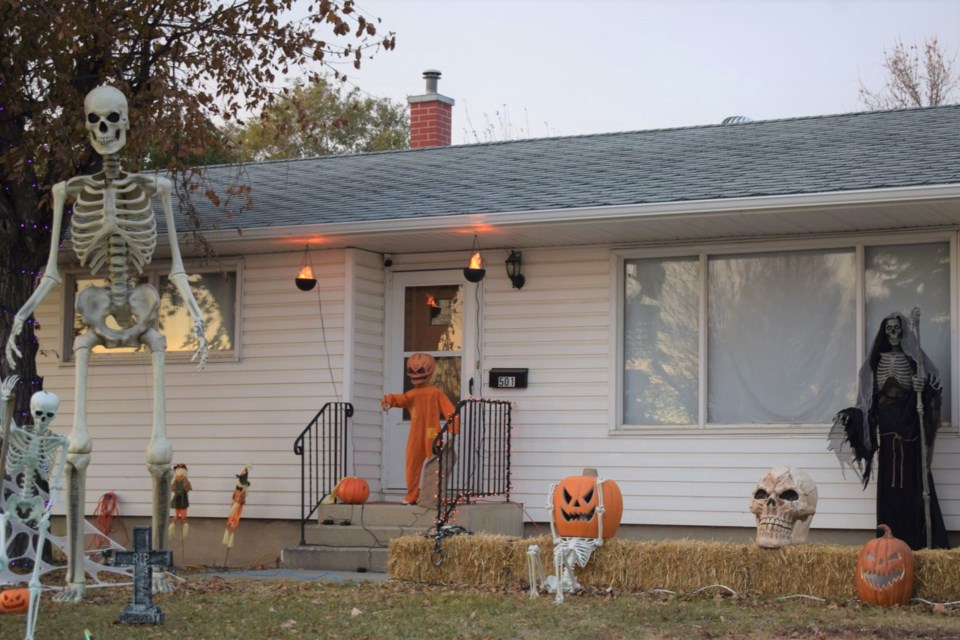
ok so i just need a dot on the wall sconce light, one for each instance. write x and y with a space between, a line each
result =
475 271
305 280
514 263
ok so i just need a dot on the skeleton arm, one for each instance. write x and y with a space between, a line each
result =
178 275
51 276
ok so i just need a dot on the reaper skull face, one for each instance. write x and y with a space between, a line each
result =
105 109
894 331
43 408
784 502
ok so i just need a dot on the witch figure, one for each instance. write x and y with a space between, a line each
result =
887 422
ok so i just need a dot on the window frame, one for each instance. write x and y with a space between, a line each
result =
153 272
703 252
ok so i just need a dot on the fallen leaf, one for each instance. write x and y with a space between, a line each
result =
356 612
288 624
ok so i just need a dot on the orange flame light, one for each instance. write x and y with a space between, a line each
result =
476 262
431 301
306 273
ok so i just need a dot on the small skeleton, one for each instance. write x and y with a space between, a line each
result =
33 454
568 553
113 226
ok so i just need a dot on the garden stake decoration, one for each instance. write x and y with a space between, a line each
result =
180 502
578 507
885 571
38 455
113 226
237 500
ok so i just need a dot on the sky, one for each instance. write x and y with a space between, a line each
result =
536 68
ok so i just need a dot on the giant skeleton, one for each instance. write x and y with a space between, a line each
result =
113 227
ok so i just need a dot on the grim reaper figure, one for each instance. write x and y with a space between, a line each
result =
893 399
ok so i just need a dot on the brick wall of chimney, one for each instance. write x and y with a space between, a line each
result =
430 124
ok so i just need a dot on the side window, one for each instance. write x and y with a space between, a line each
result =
216 293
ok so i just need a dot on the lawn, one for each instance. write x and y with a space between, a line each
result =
214 608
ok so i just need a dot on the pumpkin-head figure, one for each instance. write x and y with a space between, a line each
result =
885 571
575 506
14 600
420 368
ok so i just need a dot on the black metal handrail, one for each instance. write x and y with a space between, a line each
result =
322 447
473 449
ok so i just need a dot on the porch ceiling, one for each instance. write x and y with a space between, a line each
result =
621 227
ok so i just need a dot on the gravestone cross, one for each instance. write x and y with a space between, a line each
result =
143 560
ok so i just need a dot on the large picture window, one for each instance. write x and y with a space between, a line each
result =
770 337
216 292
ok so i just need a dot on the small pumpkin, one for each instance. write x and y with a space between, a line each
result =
885 571
353 490
575 502
14 600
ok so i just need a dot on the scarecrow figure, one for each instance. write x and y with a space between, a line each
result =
180 501
897 415
426 404
237 501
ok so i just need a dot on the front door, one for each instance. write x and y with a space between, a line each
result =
427 314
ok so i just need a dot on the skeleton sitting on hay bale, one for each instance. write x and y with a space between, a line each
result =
584 510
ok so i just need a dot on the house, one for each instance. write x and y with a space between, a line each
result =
697 302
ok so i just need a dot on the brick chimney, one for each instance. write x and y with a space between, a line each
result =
431 115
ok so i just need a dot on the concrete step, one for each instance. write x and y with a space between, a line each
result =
326 558
377 514
357 535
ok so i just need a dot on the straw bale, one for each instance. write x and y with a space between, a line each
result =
683 566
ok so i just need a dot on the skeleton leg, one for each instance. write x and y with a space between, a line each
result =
159 453
34 608
78 458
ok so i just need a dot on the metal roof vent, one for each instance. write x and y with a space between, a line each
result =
736 120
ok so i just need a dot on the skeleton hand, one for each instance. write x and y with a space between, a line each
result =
12 351
934 383
6 389
202 352
917 383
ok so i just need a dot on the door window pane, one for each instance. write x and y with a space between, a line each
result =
899 278
433 319
661 335
781 337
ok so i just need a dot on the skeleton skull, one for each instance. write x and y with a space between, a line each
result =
784 502
105 109
43 408
894 331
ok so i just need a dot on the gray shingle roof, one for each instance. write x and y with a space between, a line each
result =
870 150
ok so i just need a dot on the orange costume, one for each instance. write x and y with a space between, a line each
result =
426 404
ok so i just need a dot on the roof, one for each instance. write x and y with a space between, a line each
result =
856 151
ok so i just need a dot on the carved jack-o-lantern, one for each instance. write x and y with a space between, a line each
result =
420 368
353 490
575 502
14 600
885 571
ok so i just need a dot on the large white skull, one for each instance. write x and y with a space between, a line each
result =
43 408
105 109
784 502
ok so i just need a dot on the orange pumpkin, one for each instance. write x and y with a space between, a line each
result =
353 490
14 600
885 571
420 367
575 502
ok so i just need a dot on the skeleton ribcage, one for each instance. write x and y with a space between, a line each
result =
894 364
114 224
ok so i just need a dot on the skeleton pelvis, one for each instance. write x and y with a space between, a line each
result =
133 316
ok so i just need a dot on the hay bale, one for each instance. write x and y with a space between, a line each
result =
683 566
